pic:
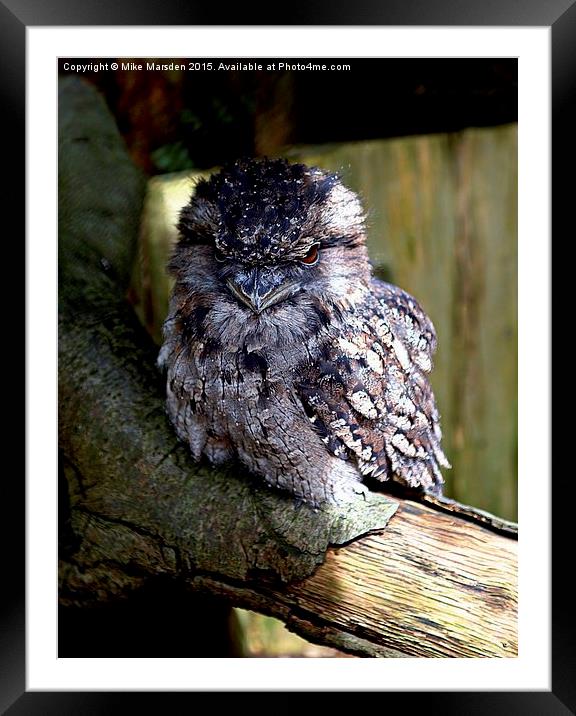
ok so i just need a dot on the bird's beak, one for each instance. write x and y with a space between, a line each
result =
259 288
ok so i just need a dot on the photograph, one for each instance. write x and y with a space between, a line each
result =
288 357
287 354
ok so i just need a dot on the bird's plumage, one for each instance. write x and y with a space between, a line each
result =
282 350
370 396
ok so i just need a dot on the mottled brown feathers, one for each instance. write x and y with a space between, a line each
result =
375 401
310 372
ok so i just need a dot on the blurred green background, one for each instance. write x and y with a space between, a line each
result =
431 147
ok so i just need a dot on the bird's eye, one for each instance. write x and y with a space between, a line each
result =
219 255
311 257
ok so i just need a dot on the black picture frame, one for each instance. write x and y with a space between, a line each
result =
15 16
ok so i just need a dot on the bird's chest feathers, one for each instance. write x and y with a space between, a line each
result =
245 376
245 381
245 396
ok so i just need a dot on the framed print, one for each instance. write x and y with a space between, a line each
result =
38 679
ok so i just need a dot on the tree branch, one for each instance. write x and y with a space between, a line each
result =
139 507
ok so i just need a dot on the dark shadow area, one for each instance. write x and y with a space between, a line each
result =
160 620
199 118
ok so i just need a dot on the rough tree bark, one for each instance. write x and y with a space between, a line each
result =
382 577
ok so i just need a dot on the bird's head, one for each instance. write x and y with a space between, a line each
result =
262 237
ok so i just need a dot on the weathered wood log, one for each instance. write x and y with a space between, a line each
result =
427 584
430 585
